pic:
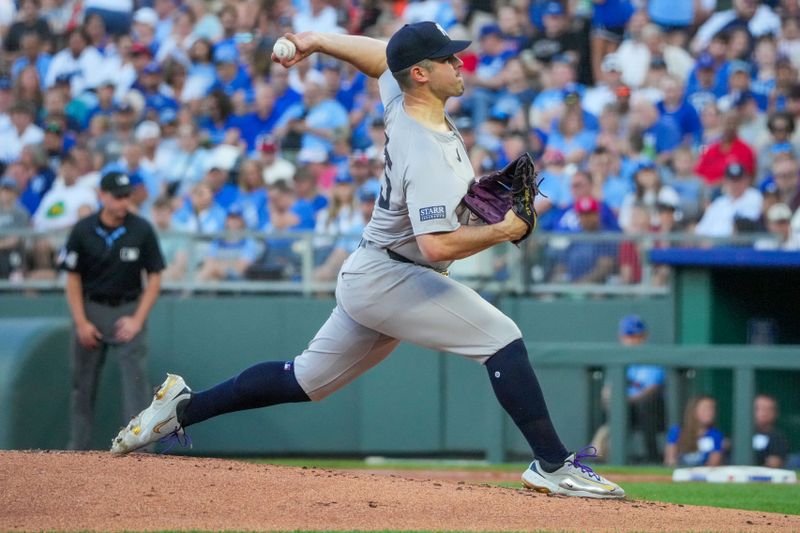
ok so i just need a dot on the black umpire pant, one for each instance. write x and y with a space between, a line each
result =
87 364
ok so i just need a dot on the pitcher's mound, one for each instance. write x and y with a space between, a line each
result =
69 491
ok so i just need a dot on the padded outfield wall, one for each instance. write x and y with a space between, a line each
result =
417 401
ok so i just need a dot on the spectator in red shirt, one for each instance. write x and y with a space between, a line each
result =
729 149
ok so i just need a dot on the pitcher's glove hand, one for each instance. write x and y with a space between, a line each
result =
514 187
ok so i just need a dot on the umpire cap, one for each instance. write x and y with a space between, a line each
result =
117 183
422 40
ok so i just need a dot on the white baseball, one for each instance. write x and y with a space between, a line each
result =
284 48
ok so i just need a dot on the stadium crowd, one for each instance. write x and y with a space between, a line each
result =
646 117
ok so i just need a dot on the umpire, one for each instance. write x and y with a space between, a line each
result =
105 256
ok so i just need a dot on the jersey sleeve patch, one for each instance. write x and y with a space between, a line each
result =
431 213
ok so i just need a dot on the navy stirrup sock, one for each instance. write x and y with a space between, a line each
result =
261 385
518 391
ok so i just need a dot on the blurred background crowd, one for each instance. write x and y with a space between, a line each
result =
662 118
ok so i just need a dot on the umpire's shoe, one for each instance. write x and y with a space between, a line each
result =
157 421
573 478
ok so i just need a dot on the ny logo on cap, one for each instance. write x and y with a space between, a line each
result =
123 180
439 27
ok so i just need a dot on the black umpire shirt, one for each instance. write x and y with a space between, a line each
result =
110 260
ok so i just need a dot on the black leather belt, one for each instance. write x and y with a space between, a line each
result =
112 301
397 257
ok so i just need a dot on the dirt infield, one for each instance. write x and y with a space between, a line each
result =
67 491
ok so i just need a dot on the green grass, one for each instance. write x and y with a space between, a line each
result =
771 498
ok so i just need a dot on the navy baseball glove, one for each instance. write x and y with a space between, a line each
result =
514 187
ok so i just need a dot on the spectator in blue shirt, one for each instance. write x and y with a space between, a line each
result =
253 198
229 257
231 77
487 80
572 137
683 115
589 261
261 120
217 110
199 212
702 87
317 119
658 135
156 95
582 185
31 53
696 442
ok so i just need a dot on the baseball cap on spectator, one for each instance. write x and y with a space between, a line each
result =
168 115
587 204
741 98
344 178
490 29
266 143
611 63
140 49
734 171
359 156
668 199
623 91
553 8
53 127
422 40
705 61
117 183
312 155
464 123
561 58
235 210
769 188
225 54
63 79
7 182
553 157
738 66
146 15
658 62
223 157
377 122
147 130
645 164
123 107
632 325
5 83
369 191
152 68
779 213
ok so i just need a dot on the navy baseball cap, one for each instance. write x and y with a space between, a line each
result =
117 183
734 171
422 40
490 29
632 325
705 60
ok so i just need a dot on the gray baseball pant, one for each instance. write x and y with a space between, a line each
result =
381 302
87 364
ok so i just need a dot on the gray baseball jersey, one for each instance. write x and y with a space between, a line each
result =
381 301
426 174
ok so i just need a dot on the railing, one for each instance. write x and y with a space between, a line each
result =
547 265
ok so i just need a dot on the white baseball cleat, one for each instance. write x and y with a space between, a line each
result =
157 421
572 479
